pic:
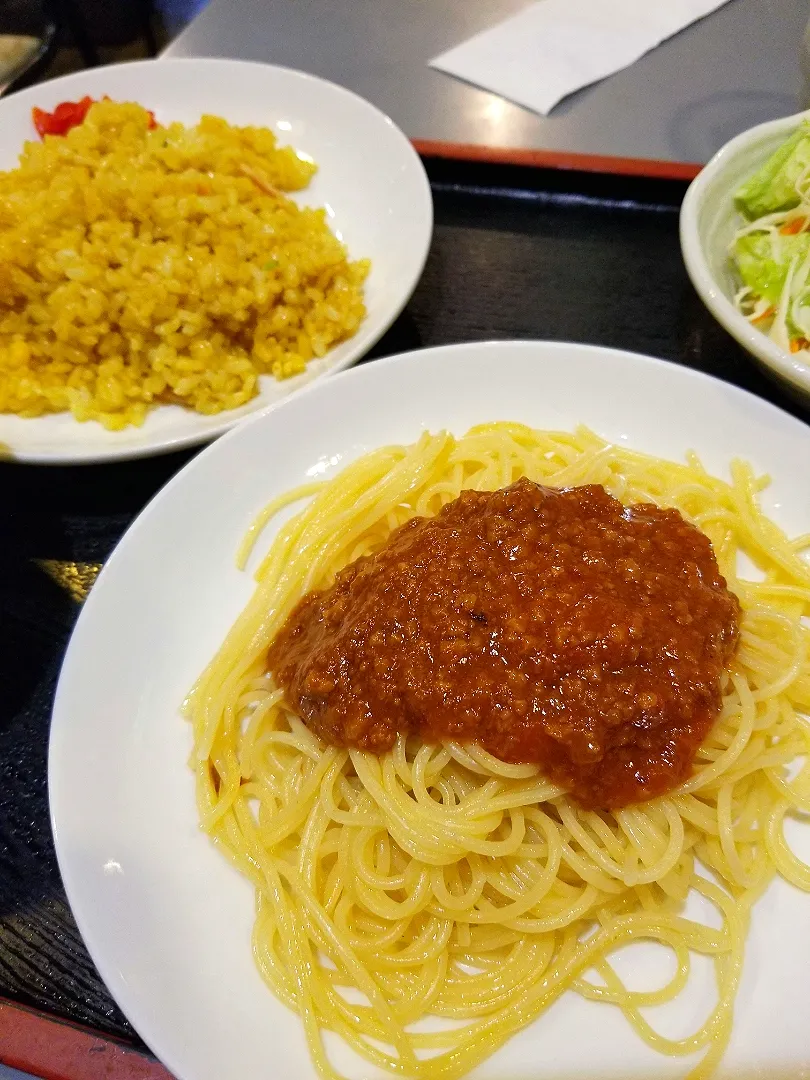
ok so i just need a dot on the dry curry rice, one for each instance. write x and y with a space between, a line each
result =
144 265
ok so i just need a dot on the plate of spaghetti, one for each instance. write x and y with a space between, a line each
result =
459 733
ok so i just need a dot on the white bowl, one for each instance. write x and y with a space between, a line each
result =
709 219
369 178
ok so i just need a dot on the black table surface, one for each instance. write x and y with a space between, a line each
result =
516 253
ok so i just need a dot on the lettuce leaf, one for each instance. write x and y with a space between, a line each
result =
757 266
773 186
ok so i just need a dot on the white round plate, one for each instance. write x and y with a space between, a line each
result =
166 919
369 178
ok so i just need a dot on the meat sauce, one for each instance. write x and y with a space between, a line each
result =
556 627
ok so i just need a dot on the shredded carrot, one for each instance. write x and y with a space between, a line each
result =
795 225
799 344
767 314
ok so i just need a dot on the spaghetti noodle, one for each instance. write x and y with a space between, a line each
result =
438 881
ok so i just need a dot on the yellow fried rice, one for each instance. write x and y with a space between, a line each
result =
140 267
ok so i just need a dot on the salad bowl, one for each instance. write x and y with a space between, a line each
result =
709 221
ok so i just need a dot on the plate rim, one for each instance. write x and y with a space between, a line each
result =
176 443
60 721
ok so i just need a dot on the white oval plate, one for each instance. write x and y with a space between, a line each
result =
166 919
369 178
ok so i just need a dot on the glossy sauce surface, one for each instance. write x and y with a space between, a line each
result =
556 627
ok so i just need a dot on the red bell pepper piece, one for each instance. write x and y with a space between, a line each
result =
67 115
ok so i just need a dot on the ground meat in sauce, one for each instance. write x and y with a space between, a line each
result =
549 626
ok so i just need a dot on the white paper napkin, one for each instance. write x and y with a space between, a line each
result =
554 47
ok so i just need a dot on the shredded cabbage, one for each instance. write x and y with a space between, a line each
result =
770 251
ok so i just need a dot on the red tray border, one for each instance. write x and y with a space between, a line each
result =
554 159
57 1050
